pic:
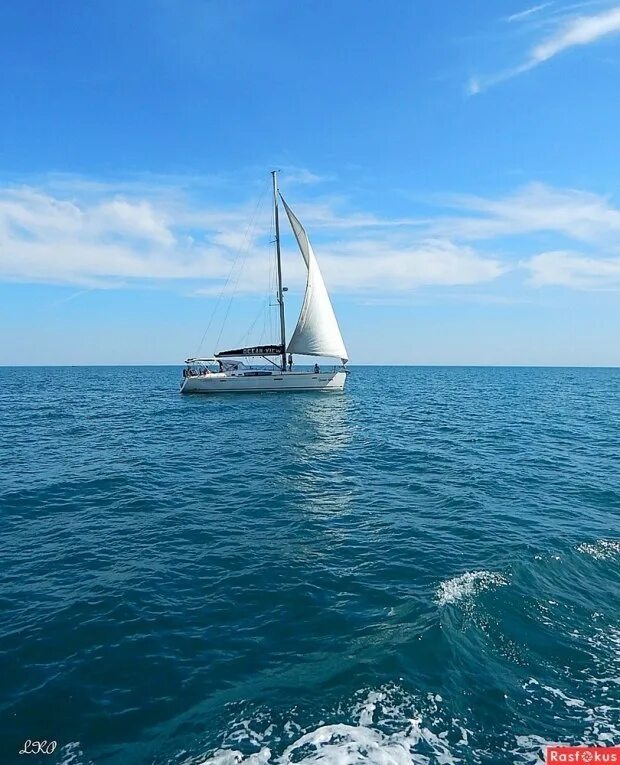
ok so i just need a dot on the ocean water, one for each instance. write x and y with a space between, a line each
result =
425 569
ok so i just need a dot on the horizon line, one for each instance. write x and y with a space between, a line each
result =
424 366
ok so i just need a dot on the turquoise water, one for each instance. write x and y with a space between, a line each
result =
425 569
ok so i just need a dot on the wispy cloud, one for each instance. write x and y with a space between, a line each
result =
91 237
569 32
522 15
574 270
580 31
302 176
535 207
565 215
400 267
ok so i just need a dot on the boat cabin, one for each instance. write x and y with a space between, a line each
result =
201 367
213 366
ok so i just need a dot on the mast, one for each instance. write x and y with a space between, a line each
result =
279 260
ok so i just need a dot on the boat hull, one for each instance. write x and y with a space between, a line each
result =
329 382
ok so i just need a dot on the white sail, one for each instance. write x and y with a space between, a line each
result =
317 332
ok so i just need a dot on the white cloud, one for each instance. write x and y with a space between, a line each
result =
101 240
133 219
374 262
473 86
580 31
105 242
536 207
569 269
95 238
527 12
302 176
565 214
569 33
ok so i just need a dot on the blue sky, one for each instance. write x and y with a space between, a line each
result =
456 166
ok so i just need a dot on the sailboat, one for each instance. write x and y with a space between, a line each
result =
316 334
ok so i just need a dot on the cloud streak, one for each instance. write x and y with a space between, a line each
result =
522 15
580 31
535 207
570 33
574 270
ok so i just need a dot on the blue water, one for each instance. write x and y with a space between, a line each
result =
425 569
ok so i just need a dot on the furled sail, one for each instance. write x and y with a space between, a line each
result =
317 332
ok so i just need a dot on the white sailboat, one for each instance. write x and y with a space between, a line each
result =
317 334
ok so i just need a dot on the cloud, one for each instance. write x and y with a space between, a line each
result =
96 243
574 270
570 32
473 87
527 13
535 207
91 237
375 263
303 177
580 31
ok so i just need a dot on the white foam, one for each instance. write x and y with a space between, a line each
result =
366 709
602 549
531 748
343 744
593 699
385 727
468 585
72 754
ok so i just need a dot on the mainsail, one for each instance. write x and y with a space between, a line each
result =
317 332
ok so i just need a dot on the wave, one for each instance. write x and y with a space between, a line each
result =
390 727
549 696
468 585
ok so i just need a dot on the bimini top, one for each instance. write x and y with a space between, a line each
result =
255 350
209 360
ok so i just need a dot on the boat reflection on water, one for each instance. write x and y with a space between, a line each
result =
319 431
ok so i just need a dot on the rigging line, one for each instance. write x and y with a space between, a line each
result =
230 273
265 315
265 303
250 229
261 310
249 232
266 332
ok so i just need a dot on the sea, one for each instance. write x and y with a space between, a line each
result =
424 569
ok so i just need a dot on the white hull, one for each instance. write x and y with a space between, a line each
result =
277 381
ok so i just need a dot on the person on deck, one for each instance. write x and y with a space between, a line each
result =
290 362
316 369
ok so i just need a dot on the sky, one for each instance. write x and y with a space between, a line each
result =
455 164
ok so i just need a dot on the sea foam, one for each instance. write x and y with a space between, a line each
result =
385 727
468 585
602 549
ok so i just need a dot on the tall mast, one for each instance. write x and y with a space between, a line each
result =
279 259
